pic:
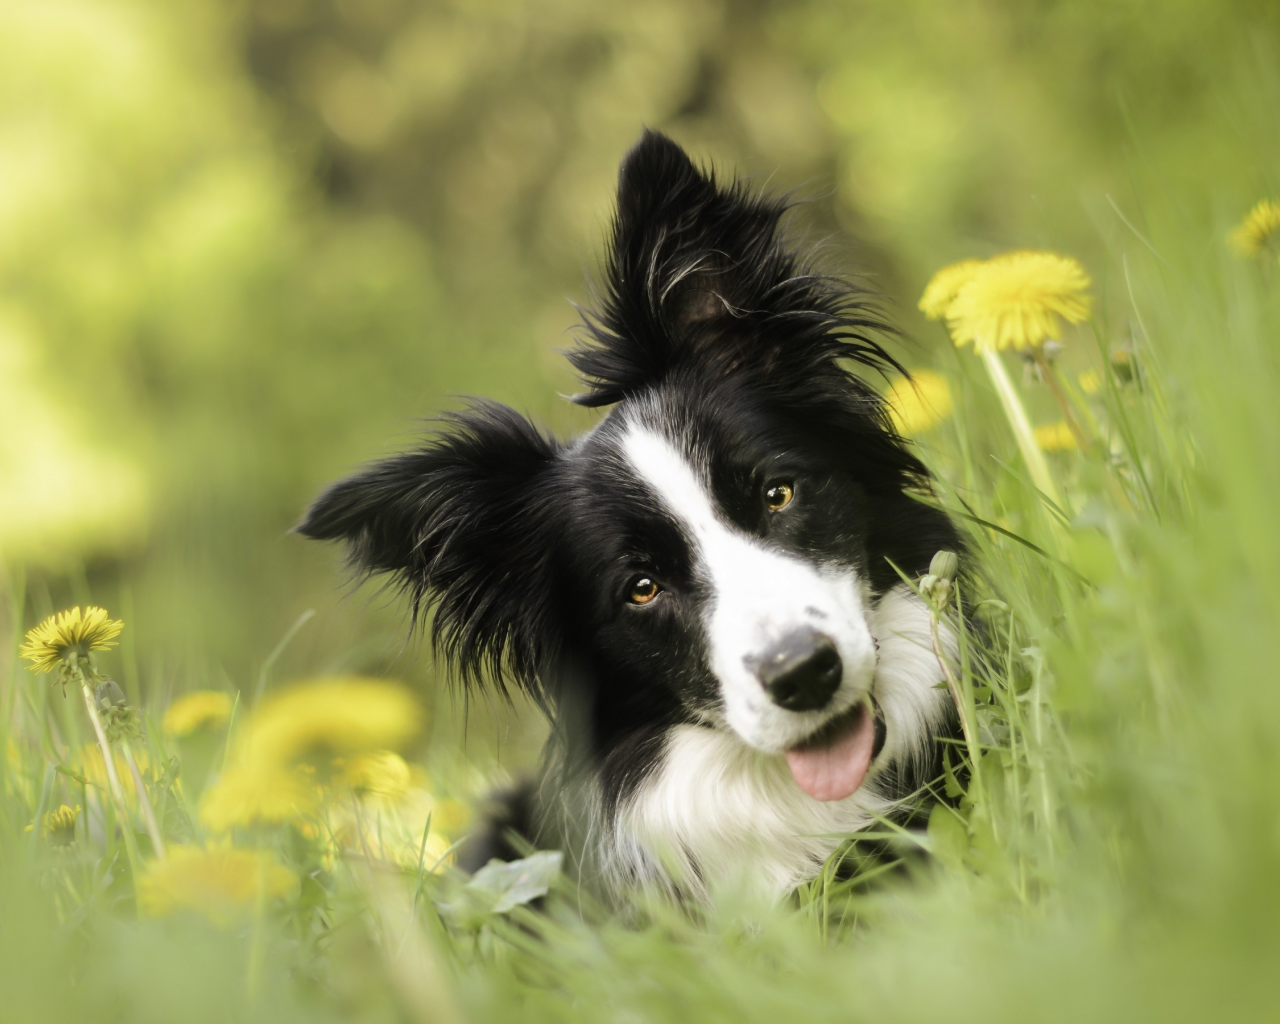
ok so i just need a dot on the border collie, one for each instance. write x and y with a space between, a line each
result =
704 592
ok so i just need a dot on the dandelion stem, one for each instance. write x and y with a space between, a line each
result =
1082 439
113 778
144 801
963 706
1055 386
1022 431
355 806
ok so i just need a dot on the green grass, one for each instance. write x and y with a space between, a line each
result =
1115 856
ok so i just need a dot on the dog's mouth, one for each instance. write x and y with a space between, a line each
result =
833 762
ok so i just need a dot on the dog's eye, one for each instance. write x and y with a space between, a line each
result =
778 497
643 590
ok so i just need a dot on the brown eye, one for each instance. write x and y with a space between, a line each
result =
778 497
643 590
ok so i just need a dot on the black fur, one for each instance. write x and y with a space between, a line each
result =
460 523
698 276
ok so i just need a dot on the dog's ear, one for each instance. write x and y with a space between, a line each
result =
698 275
459 523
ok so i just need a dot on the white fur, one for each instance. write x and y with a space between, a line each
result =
758 595
717 810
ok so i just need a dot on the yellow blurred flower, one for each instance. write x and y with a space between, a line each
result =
378 806
1259 232
259 794
393 840
1090 382
331 718
222 883
1055 437
331 733
451 817
394 830
920 403
72 632
1015 301
197 710
943 287
383 772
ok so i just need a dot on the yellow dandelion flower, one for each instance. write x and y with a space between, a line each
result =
1055 437
919 404
1259 232
199 709
451 817
304 737
943 287
59 827
223 884
382 772
253 793
73 632
391 830
1090 382
331 718
1015 301
392 842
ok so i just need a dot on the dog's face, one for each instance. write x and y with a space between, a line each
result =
710 552
720 551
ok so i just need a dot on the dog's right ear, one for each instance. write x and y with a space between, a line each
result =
458 524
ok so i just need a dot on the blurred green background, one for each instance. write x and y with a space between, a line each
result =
245 246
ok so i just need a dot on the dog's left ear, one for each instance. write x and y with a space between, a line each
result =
697 275
461 524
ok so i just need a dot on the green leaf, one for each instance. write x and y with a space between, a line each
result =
948 836
509 884
950 784
501 886
71 773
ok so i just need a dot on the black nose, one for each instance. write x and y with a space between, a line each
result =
802 672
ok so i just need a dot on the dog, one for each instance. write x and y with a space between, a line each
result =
708 593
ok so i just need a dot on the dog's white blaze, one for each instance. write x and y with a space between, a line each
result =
718 812
758 595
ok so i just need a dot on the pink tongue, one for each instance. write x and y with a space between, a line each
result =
834 771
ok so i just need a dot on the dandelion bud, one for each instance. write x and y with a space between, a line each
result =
1123 365
109 695
944 565
1258 235
122 723
60 825
935 588
936 591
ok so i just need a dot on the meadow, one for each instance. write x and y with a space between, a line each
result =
214 298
